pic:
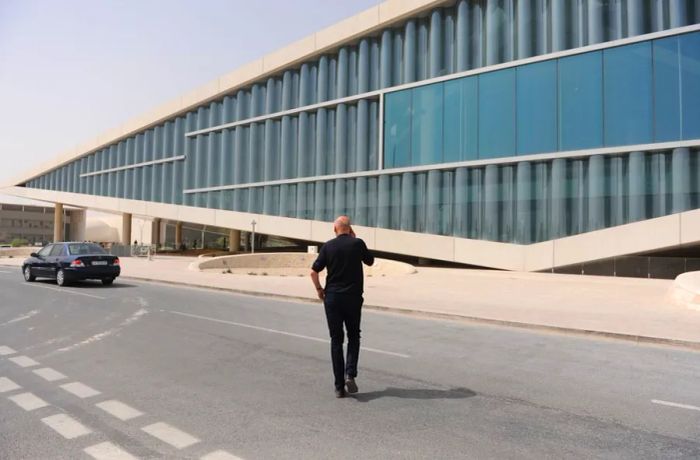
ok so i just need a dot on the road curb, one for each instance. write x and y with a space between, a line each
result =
639 339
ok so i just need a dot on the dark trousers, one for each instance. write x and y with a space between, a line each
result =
344 309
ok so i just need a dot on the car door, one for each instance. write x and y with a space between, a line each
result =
39 264
54 260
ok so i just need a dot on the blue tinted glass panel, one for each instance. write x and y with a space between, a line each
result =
690 85
581 101
461 116
397 129
537 108
426 129
667 103
628 94
497 114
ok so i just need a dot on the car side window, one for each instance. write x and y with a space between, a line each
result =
57 250
46 250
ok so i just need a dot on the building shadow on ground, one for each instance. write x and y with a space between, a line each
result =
415 393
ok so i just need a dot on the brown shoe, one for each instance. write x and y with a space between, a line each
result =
340 393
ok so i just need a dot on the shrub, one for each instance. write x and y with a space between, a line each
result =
19 242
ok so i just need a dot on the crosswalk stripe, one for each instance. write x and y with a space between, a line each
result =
5 350
108 451
66 426
80 390
28 401
119 410
7 385
171 435
49 374
220 455
24 361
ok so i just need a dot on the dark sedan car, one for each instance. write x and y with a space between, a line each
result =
66 262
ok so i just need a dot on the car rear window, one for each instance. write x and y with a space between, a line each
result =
84 248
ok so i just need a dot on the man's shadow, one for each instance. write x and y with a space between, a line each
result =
408 393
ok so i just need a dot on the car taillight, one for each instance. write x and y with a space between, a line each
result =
116 261
77 263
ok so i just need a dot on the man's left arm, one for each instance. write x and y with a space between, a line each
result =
316 268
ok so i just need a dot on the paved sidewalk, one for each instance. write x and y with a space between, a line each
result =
632 309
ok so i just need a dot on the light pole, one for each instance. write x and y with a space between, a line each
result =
252 237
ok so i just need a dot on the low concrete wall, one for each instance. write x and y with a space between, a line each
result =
288 264
17 252
685 290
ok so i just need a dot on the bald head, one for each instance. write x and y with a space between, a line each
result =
341 225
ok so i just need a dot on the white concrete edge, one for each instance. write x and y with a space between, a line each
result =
664 232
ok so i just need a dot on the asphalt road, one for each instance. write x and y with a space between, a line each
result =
155 371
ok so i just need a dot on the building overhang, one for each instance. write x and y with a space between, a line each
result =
665 232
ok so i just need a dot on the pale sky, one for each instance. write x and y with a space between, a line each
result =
72 69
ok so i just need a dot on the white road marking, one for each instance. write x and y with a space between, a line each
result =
119 410
24 361
80 390
49 374
21 318
108 451
28 401
69 291
290 334
4 351
3 271
166 433
7 385
672 404
66 426
220 455
102 335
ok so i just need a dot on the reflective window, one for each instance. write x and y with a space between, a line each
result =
690 85
581 101
537 107
461 116
628 94
397 132
667 102
426 129
497 114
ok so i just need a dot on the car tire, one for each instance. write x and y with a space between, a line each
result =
61 278
27 272
107 281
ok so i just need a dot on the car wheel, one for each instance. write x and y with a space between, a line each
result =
107 281
61 278
28 274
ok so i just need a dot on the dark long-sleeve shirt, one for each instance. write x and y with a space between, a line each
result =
343 257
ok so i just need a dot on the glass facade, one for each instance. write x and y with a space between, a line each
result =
628 95
639 93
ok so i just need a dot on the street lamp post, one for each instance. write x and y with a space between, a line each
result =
252 237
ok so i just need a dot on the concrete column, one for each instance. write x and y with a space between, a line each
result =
77 225
155 232
178 235
126 229
58 222
234 240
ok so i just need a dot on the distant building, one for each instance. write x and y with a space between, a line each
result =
31 223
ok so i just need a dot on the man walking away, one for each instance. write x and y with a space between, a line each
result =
342 298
